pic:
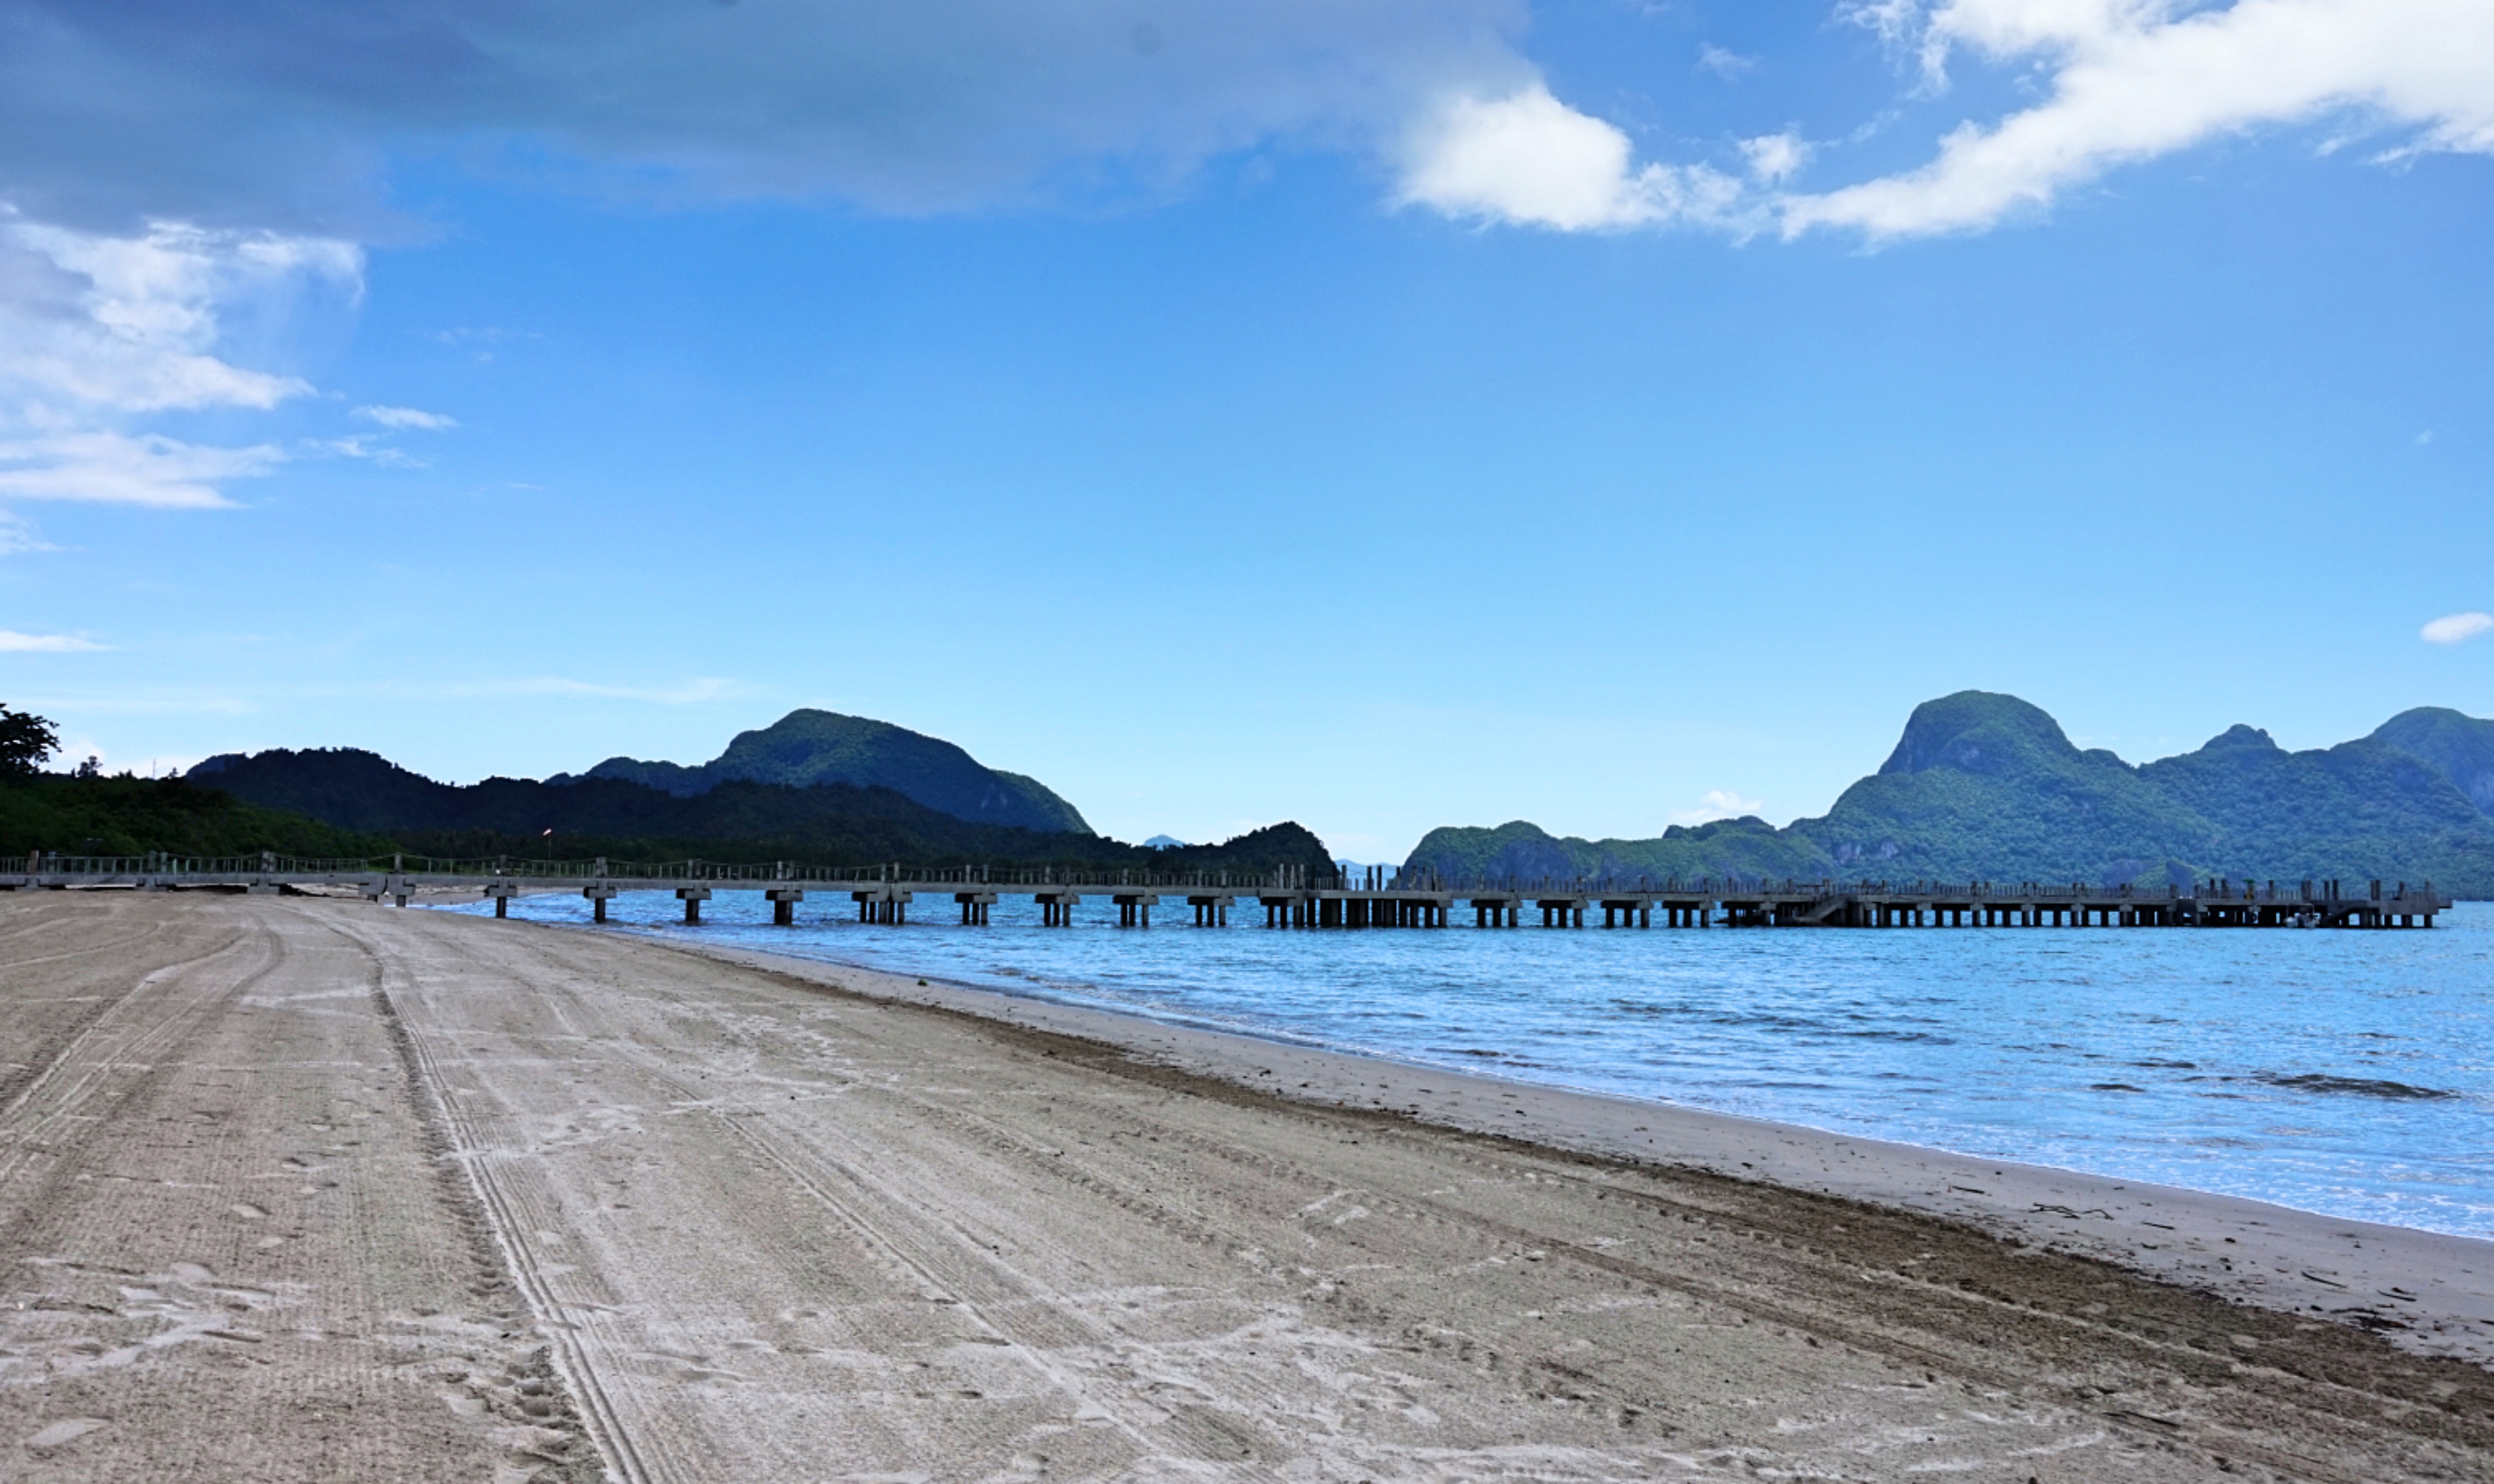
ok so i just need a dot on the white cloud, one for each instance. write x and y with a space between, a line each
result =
406 417
1717 803
2129 80
120 468
2452 628
98 332
1526 159
361 445
14 642
1774 157
1725 63
1893 19
131 323
16 537
286 111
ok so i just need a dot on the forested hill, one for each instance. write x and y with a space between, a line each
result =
808 747
1988 787
126 816
830 823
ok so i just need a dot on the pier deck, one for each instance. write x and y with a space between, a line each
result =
885 893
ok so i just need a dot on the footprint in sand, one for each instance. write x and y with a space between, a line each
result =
68 1430
247 1211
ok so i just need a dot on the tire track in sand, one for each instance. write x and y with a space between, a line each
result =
912 1237
132 1034
951 1264
457 1142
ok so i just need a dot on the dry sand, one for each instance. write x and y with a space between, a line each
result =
316 1190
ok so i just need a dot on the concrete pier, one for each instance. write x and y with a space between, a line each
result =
1294 900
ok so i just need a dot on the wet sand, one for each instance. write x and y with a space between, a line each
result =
319 1189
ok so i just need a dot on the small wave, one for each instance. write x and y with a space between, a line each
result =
1902 1038
2113 1087
2177 1066
2361 1086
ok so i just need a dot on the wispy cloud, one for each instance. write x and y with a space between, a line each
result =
14 642
99 332
357 445
406 417
119 469
16 536
2129 80
2453 628
1717 803
1725 63
133 324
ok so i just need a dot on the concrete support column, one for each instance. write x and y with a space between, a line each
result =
692 898
598 896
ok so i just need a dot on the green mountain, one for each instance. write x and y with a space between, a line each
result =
826 824
2461 746
1988 787
1521 851
808 747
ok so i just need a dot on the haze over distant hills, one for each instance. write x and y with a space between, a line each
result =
807 748
1988 787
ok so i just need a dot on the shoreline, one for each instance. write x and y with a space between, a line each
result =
2428 1292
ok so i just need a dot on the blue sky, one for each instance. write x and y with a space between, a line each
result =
1383 413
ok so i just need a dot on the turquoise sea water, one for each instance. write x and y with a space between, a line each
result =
2347 1073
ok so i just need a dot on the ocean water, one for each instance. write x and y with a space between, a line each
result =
2345 1072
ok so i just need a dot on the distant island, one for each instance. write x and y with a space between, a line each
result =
1980 787
1988 787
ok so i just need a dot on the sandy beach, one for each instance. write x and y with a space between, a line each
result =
296 1189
